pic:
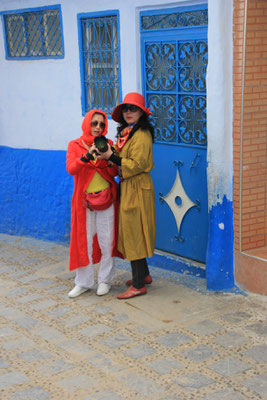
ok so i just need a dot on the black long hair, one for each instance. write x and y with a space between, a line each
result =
143 123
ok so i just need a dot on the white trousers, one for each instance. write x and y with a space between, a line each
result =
102 223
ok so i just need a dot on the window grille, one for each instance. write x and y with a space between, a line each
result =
100 63
34 34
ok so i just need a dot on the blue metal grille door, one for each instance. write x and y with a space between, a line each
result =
174 61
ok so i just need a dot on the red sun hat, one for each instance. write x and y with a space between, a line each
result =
133 98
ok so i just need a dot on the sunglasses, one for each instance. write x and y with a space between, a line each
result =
129 107
101 124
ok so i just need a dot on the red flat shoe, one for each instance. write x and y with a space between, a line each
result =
148 281
131 292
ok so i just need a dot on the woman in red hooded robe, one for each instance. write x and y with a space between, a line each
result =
93 229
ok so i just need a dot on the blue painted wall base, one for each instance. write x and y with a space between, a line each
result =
175 263
35 194
220 252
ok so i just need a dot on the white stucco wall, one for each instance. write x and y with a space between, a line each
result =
220 101
41 99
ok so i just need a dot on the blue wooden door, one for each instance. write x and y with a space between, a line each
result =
174 61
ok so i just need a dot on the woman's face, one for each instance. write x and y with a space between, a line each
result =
131 113
97 125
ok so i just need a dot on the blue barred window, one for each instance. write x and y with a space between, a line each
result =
34 33
100 61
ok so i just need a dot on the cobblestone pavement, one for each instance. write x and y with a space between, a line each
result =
178 342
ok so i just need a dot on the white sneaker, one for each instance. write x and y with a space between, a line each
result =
77 290
103 288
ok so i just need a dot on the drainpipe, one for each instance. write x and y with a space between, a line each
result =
242 125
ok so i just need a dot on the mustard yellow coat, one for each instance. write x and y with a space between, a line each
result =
137 220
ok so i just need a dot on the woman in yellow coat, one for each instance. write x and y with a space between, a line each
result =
137 222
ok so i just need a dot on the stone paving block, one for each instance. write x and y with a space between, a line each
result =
260 328
258 353
17 274
33 393
12 378
6 268
34 262
164 365
100 361
11 313
67 276
141 384
75 347
57 289
50 334
28 322
230 339
143 329
59 312
17 291
43 283
42 305
106 395
205 327
21 343
14 258
7 332
74 383
229 367
139 351
75 320
116 340
95 330
224 395
102 309
121 317
258 384
34 355
194 381
3 363
55 367
173 339
199 353
236 317
28 279
29 298
58 270
170 398
87 299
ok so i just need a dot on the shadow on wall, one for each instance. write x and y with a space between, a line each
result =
35 194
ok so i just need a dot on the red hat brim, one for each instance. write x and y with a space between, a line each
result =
131 98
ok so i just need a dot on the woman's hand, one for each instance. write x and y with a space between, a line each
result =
106 155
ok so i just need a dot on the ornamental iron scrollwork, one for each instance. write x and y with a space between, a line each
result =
192 120
164 109
174 20
176 91
161 66
192 66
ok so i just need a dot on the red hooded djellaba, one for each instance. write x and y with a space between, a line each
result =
83 174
